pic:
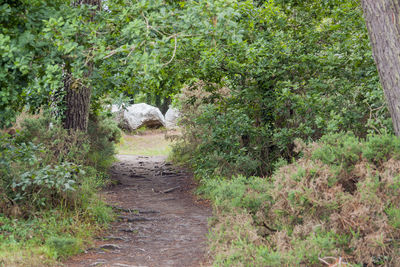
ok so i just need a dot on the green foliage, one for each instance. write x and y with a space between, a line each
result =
292 70
103 134
27 180
46 237
27 74
266 73
49 181
60 145
380 148
249 194
338 149
42 41
220 147
345 149
394 216
44 182
300 215
63 246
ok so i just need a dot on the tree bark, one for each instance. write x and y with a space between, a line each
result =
77 99
158 101
165 105
383 23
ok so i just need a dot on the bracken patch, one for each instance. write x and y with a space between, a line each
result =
322 208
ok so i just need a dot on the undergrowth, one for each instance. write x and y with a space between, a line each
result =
338 202
49 179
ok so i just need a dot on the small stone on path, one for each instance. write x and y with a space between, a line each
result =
110 247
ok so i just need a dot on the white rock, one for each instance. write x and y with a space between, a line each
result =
171 118
118 112
139 115
116 108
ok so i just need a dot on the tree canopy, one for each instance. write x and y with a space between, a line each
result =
294 69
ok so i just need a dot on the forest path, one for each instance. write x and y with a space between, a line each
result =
160 221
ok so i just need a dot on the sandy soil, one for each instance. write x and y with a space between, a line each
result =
160 223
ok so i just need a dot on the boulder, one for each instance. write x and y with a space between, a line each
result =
118 112
116 108
135 116
171 118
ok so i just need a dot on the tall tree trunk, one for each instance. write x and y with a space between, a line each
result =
149 99
77 99
158 101
383 23
165 105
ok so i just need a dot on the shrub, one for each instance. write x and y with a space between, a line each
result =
294 71
336 201
49 179
338 149
231 144
59 144
44 165
380 148
249 194
63 246
103 135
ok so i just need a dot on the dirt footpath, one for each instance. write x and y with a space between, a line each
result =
160 222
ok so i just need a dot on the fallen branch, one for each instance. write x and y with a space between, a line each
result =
338 262
134 210
170 190
134 219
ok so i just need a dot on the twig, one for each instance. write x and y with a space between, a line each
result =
148 26
174 53
338 262
111 54
115 51
133 219
133 48
324 261
170 190
269 228
146 20
133 210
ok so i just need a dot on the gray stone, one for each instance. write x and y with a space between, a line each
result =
137 115
171 118
118 112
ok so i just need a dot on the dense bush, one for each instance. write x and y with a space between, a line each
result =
49 180
337 201
293 69
44 166
103 133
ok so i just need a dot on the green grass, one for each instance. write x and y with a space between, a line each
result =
147 144
44 222
48 237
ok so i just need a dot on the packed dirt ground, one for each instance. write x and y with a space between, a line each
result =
160 222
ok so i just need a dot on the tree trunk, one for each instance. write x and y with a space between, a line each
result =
158 101
149 99
77 99
165 105
383 23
